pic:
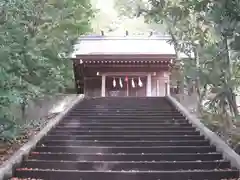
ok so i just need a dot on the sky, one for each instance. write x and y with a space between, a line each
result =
107 6
108 17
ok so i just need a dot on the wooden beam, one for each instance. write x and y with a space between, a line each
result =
132 66
93 70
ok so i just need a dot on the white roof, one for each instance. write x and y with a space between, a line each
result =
122 45
89 45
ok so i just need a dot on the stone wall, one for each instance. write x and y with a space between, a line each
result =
39 108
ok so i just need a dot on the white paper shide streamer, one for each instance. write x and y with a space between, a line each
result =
133 83
114 82
140 84
120 82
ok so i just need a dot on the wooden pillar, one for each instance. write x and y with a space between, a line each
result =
158 87
167 83
166 88
103 85
76 78
149 84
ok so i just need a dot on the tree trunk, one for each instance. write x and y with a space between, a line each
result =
23 108
199 103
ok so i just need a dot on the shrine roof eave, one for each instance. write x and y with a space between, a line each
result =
128 57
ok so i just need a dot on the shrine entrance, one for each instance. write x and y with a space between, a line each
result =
126 86
123 66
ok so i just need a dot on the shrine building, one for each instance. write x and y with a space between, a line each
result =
123 66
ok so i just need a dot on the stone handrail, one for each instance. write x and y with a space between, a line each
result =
228 153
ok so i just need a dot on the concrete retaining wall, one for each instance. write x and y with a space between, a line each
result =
38 108
222 147
6 169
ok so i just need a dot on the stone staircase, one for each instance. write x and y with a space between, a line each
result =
125 139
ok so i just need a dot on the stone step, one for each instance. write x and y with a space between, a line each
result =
124 121
138 175
119 128
126 166
131 113
110 124
124 132
124 143
106 116
125 157
127 150
125 108
124 125
123 111
124 137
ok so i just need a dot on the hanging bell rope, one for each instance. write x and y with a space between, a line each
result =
126 79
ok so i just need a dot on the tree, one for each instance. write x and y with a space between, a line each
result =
207 29
36 36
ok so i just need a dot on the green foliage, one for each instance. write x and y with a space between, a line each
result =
209 30
34 34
